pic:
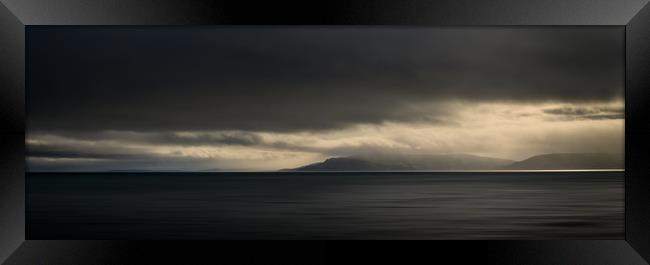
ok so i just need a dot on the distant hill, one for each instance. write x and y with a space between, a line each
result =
570 161
347 164
466 162
442 162
407 162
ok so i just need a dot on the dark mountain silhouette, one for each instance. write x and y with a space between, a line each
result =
407 162
466 162
347 164
441 162
570 161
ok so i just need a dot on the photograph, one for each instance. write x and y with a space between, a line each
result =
325 132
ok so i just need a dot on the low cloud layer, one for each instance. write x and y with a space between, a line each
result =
513 131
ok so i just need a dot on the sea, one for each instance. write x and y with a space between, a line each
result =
326 205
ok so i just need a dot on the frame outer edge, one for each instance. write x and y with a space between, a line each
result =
637 133
333 12
12 101
12 133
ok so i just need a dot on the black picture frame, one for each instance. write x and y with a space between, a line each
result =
16 15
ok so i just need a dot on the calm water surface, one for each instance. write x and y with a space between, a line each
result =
290 205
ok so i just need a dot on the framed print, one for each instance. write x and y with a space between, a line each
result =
501 132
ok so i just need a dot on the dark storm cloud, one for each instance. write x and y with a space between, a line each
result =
66 156
75 144
141 163
587 113
57 153
171 138
241 138
74 151
303 78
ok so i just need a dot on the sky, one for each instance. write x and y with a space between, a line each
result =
247 98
